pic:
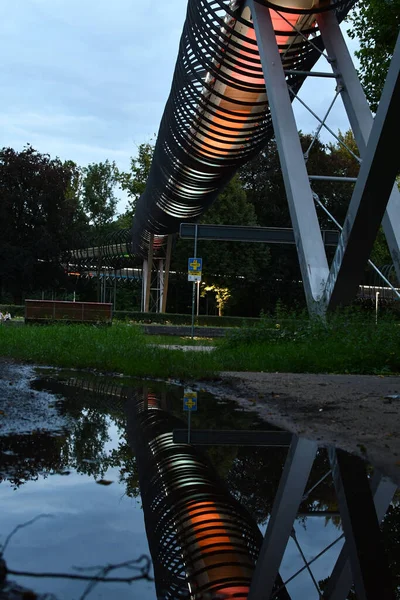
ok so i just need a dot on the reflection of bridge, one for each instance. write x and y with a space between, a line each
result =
239 67
205 545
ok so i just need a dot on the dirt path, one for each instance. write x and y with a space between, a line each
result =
355 412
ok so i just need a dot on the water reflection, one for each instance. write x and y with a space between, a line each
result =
204 544
90 524
184 495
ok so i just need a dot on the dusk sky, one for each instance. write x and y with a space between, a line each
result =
88 80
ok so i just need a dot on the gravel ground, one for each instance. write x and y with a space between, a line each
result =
22 409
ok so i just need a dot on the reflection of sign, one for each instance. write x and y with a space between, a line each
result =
190 401
195 266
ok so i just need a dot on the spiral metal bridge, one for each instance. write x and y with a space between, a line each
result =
218 116
115 252
239 67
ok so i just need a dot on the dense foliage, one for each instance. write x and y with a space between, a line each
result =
40 219
375 23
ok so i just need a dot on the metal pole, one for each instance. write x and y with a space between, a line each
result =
166 276
194 283
290 491
309 243
144 282
316 136
360 116
198 297
160 282
148 274
376 307
190 412
332 178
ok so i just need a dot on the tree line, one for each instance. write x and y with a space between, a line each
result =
50 207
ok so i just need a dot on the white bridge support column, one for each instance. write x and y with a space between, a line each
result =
156 278
371 195
308 238
167 265
147 269
288 497
360 118
375 199
160 284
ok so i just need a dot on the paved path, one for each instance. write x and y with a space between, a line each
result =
185 330
185 348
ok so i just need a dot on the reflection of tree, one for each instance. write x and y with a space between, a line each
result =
84 446
255 474
25 457
254 478
324 582
124 458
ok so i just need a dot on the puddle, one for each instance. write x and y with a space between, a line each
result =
81 429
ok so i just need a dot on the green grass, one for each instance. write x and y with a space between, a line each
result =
347 343
121 348
350 342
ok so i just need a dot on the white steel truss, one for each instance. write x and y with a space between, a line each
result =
375 198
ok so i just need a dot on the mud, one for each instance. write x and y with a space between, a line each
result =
23 409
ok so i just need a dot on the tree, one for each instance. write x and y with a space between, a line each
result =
262 179
134 182
230 269
99 203
39 220
375 23
263 182
98 197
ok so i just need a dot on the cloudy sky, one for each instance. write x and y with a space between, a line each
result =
87 80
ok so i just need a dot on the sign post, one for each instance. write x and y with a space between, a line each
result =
195 266
189 405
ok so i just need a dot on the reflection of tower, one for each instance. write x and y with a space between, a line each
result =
204 544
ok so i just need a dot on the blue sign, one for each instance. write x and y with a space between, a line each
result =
195 266
190 401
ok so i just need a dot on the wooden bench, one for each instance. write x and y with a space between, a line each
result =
49 311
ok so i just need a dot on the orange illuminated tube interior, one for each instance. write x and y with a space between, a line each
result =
212 543
285 22
217 115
